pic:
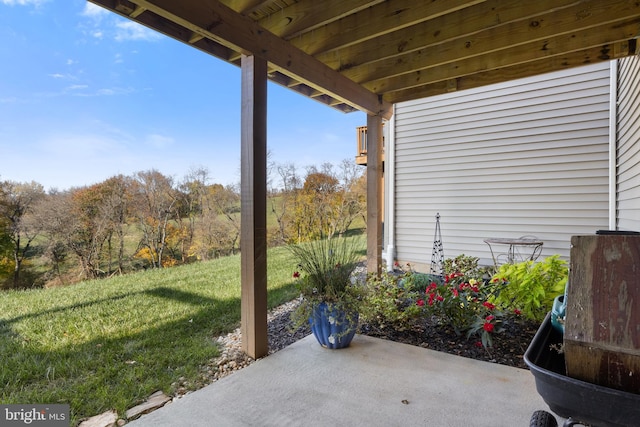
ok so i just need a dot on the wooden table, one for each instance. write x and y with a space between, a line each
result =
533 245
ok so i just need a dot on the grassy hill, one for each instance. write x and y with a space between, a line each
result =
108 344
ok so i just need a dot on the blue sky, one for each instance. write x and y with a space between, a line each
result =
86 95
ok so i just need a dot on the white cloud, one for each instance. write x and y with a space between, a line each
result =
129 30
105 24
97 34
10 100
159 141
93 11
79 146
36 3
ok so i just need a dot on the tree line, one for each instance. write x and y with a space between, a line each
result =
151 220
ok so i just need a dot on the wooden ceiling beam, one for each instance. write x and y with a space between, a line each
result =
595 37
217 22
375 21
137 12
244 7
526 69
571 20
461 24
308 15
305 16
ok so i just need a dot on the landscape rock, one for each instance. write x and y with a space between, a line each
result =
106 419
155 401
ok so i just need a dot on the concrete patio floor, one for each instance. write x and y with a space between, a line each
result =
372 383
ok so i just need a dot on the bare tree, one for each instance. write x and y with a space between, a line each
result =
283 200
224 202
114 208
55 214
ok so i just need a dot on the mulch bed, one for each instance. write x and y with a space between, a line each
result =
508 346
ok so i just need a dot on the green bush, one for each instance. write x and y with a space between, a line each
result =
530 287
419 281
465 264
391 302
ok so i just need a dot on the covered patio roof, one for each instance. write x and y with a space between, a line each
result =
367 55
353 54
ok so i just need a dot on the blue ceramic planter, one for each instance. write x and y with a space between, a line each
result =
332 327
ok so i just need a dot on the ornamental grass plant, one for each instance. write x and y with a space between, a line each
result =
324 273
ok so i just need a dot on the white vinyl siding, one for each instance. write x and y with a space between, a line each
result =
628 152
527 157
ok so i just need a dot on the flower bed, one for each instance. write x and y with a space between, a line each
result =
461 312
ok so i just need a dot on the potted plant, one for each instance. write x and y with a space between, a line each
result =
330 293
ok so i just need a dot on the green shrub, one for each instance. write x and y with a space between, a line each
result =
391 302
530 287
465 264
419 281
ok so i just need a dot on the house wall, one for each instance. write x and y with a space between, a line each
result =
526 157
628 148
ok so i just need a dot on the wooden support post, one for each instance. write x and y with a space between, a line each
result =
602 325
254 207
374 194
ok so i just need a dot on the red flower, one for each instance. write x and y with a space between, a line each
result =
478 343
439 298
488 327
454 292
296 275
431 297
489 305
489 318
517 312
420 302
475 288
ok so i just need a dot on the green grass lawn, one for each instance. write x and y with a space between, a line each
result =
108 344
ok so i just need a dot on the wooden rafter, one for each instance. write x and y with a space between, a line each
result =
530 38
355 54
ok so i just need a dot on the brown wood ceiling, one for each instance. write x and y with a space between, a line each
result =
369 54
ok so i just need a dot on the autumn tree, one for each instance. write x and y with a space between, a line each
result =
192 194
17 202
351 200
89 229
155 201
317 205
